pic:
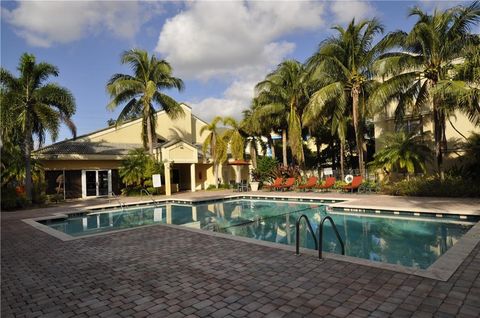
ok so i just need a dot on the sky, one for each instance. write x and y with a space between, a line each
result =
220 49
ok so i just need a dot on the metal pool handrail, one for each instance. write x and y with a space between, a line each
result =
115 197
150 195
320 236
297 229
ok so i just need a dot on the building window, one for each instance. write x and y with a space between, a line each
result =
412 126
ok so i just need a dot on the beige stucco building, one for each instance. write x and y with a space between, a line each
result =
90 162
421 122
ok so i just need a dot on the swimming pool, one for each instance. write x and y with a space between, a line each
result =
395 238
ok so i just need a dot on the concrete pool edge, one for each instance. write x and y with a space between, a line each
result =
442 269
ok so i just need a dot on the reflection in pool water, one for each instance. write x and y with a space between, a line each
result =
413 242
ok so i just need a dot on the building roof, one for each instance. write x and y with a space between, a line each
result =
87 148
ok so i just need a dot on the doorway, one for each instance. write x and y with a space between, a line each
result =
96 183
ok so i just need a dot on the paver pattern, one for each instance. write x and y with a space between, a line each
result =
167 272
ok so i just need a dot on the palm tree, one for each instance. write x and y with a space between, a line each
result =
213 144
233 137
284 92
429 53
403 151
342 68
38 108
263 124
139 92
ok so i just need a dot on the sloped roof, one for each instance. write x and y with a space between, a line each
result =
87 148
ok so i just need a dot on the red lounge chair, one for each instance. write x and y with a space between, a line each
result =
329 183
277 183
356 183
310 184
287 185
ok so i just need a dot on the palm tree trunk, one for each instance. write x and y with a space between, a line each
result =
342 160
438 133
356 125
215 174
271 145
27 159
253 153
149 135
284 147
317 148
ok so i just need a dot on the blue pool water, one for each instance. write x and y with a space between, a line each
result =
409 241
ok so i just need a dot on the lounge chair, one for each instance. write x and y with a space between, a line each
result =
287 185
275 184
329 183
356 183
310 184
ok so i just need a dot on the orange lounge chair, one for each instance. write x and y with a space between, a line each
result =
310 184
287 185
277 183
356 183
329 183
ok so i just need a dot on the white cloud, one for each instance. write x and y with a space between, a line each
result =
210 39
345 10
238 42
235 99
44 23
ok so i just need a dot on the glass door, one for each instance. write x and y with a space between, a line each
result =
102 182
96 183
91 183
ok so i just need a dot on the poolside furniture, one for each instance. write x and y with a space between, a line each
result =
356 183
310 184
329 183
242 186
287 185
275 184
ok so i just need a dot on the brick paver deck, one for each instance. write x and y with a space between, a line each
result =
167 272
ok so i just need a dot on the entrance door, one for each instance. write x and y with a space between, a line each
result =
103 182
96 183
91 183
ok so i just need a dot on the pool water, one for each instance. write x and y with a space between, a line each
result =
408 241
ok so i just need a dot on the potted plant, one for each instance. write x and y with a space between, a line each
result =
256 178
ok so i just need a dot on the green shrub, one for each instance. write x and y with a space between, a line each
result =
220 186
265 168
11 200
452 186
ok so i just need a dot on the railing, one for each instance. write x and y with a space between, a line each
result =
297 228
149 194
115 197
320 236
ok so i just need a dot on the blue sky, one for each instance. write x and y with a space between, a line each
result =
219 49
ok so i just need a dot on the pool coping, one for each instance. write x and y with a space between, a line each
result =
442 269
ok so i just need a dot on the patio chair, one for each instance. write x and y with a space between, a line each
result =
275 184
287 185
329 183
356 183
309 185
242 186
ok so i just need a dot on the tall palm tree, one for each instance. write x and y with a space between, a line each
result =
429 53
233 137
342 66
284 92
263 124
213 144
38 107
403 152
140 91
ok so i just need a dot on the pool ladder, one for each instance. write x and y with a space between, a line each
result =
319 243
115 197
150 195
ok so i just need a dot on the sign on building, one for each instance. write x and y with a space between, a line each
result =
157 180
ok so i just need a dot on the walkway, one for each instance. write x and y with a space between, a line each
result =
166 272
